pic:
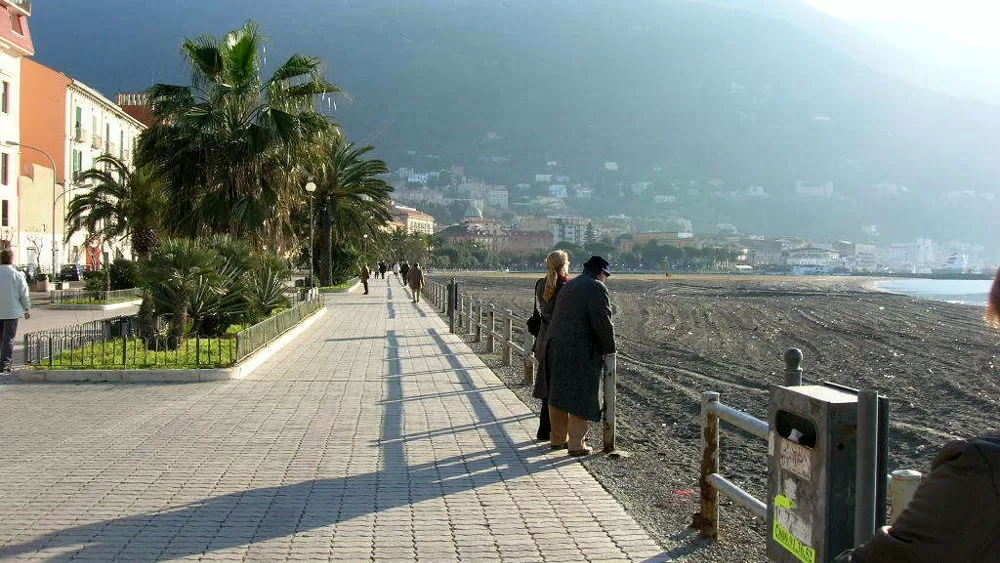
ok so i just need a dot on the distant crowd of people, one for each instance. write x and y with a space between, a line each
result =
407 275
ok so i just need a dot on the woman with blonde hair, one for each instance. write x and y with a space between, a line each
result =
546 291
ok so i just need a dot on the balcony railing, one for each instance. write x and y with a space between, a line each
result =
81 135
113 149
96 141
23 5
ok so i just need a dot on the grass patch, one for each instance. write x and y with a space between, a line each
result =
200 353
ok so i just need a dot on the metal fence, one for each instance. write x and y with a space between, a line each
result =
84 296
259 335
115 342
507 332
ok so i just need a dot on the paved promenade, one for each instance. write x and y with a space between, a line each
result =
373 436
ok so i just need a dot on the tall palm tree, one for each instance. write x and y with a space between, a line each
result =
220 139
351 200
122 203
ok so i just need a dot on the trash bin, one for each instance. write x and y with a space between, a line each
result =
813 451
116 328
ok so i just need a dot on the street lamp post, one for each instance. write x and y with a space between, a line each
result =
55 247
311 187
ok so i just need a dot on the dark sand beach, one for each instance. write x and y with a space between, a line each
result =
937 362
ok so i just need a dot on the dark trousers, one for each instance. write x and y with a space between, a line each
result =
8 328
365 284
544 424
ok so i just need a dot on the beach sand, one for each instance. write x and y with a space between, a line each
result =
680 336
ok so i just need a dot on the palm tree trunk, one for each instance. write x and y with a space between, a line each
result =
179 321
147 320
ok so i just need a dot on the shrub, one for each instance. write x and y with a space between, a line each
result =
93 280
124 274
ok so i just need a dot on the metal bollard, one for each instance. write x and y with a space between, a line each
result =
865 491
708 521
793 367
902 488
508 338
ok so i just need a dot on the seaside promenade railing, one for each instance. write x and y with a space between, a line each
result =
505 332
874 495
83 296
115 343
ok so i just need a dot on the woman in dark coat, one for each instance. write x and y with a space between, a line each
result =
546 290
579 337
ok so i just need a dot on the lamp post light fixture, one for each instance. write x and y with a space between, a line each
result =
55 245
311 188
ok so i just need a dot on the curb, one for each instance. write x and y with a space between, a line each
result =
356 285
240 371
106 307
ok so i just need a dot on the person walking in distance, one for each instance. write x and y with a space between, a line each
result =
15 302
365 275
404 270
382 267
415 278
546 291
577 344
395 270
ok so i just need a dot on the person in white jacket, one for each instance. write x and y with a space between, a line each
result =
14 304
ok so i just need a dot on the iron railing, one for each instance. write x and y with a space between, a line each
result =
84 296
115 343
261 334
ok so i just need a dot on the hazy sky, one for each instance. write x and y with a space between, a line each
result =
970 21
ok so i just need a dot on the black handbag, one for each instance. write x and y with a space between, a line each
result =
534 323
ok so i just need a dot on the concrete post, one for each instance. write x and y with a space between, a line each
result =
468 317
508 338
610 377
793 367
901 490
491 340
452 304
479 322
708 521
529 361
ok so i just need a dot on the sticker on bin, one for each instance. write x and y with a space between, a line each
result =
796 459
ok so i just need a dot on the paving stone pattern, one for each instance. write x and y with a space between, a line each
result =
375 436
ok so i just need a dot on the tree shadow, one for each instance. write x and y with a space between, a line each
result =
262 514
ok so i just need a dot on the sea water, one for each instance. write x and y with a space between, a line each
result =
965 292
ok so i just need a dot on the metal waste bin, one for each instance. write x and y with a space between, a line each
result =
811 490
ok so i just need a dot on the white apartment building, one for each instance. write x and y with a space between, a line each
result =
15 44
572 229
96 126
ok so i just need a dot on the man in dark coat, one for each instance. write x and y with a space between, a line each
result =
954 515
578 338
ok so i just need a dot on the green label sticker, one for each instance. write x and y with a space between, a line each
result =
805 553
781 501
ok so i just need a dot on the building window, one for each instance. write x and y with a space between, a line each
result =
5 99
4 168
121 144
78 126
4 213
15 23
107 137
77 164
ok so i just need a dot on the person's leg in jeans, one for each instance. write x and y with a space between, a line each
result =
416 295
8 328
365 283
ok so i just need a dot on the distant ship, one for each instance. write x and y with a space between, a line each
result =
956 264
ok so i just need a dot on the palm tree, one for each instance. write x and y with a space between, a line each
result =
351 200
179 268
224 140
122 203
